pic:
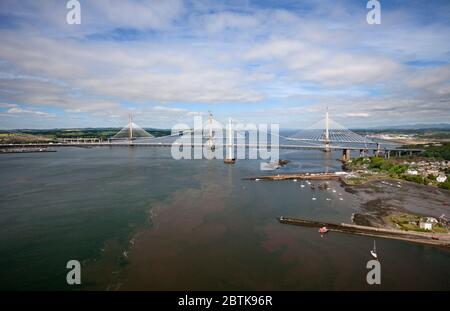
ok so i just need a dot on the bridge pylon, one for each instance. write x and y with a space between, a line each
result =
229 158
210 143
130 127
327 132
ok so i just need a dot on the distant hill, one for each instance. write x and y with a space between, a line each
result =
417 126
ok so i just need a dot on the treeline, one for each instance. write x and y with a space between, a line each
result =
102 133
440 151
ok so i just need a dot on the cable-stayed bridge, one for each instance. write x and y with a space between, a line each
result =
325 135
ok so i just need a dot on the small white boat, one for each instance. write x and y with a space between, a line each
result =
314 199
341 199
328 199
303 186
373 252
295 180
257 179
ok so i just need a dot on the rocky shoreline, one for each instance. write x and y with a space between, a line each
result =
379 199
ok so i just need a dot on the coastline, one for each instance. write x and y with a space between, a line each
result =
381 197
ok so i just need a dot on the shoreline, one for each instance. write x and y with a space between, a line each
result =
383 197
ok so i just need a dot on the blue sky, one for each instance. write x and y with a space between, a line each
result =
256 61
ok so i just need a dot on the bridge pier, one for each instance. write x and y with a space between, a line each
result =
346 155
377 151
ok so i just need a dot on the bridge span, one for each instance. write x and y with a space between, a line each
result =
325 135
346 150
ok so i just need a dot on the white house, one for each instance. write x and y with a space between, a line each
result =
411 172
441 178
426 225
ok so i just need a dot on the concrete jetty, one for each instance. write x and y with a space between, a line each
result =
300 176
440 239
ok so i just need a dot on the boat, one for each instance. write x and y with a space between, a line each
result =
229 161
323 230
373 252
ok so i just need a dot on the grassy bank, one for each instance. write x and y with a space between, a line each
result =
376 167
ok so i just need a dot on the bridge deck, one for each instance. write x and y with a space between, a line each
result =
105 144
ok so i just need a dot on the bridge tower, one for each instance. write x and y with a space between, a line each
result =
130 127
327 132
211 141
229 158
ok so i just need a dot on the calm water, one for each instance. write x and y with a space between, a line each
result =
193 225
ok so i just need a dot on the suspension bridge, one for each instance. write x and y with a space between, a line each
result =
325 135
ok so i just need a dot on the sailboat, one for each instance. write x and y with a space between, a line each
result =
373 252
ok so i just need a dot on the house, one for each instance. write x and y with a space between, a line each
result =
441 178
431 220
426 225
411 172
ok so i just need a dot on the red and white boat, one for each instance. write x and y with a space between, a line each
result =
323 230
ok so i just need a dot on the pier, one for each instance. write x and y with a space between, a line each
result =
299 176
440 239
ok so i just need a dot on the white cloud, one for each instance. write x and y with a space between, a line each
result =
6 105
17 110
216 54
358 114
168 109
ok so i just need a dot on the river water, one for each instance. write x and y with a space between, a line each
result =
137 219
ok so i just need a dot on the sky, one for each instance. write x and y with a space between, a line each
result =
274 61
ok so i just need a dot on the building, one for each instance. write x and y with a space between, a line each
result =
411 172
441 178
426 225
